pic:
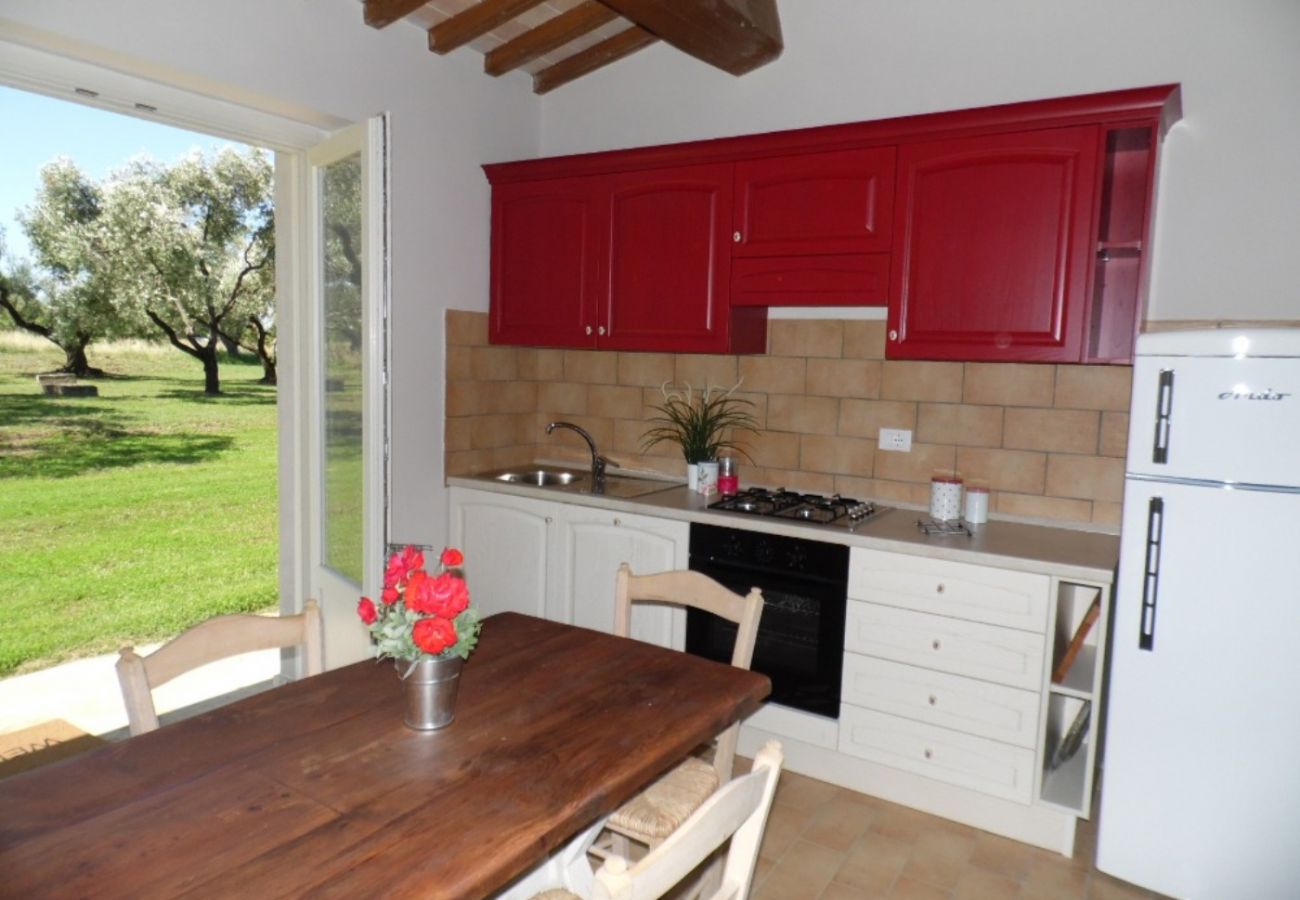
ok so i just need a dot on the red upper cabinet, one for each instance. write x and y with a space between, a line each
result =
668 262
809 229
547 238
815 203
994 242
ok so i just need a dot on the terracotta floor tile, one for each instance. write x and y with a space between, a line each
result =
940 857
801 792
1054 879
778 838
979 884
911 889
899 822
828 843
873 864
1102 887
1003 856
837 891
802 873
839 823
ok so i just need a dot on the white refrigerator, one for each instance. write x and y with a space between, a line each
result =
1201 774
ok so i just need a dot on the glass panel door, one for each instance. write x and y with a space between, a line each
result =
348 421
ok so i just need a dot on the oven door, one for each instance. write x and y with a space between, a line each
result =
800 644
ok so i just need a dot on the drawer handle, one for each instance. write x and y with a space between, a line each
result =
928 753
618 522
933 699
939 589
935 643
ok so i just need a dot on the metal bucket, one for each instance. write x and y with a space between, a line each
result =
430 684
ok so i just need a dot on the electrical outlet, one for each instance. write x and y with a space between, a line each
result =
896 439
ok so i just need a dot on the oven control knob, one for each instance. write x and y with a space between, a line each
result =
763 552
733 547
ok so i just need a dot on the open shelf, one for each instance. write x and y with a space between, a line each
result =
1075 635
1079 679
1065 785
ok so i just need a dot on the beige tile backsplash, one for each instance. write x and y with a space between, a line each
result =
1049 440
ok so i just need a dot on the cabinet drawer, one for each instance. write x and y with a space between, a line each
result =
939 753
1003 655
962 704
978 593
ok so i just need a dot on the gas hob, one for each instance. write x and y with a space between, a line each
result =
813 508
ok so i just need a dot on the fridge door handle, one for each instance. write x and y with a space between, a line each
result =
1151 574
1164 405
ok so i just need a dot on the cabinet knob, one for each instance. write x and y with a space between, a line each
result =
935 644
893 334
600 330
939 588
618 522
588 329
933 699
735 236
928 753
549 520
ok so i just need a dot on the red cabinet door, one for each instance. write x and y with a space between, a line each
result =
813 229
815 203
546 262
993 246
669 233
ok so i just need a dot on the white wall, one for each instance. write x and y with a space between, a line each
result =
446 119
1228 238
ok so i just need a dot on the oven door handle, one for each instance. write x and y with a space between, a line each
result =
709 565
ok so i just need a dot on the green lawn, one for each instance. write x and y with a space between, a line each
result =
130 516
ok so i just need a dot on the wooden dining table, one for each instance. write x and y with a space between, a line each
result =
317 788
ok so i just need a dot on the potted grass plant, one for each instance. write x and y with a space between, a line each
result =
702 423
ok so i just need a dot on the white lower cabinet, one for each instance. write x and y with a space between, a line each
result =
506 542
587 550
557 561
948 674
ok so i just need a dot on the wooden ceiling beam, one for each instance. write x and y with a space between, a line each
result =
379 13
474 22
736 36
607 51
548 36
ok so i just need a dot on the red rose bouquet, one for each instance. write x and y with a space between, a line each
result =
419 614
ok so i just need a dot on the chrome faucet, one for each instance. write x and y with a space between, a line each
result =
598 462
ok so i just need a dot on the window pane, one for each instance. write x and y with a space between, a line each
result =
342 491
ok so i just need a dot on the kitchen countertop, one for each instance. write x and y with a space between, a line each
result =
1065 552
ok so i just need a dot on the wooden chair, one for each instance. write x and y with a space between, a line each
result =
737 811
207 642
653 815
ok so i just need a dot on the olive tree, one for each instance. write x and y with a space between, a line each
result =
196 240
70 296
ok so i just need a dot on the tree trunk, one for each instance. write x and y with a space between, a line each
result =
265 352
211 375
76 363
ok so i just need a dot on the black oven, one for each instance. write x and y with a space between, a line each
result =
800 642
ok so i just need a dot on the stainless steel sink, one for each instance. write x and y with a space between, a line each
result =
578 482
541 477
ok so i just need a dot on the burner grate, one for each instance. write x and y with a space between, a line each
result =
813 508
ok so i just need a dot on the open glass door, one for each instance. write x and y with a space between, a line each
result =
347 424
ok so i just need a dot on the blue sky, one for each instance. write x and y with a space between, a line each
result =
39 129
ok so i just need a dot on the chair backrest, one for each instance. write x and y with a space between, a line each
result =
738 810
207 642
694 589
